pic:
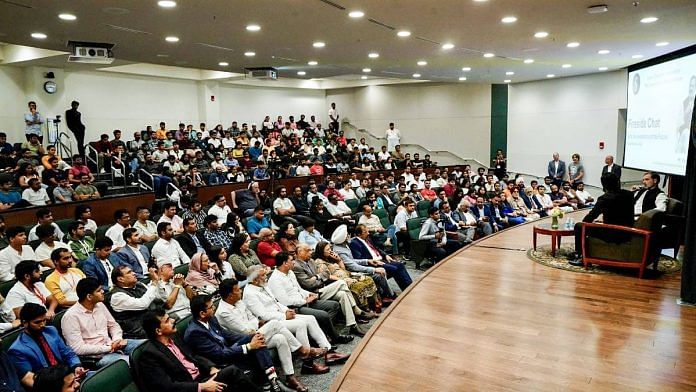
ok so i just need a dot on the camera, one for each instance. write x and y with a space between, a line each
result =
57 119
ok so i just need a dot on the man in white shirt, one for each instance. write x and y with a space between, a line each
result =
313 192
14 253
146 228
543 198
408 176
338 208
220 209
29 289
115 232
264 305
35 194
303 169
129 300
383 155
333 117
45 216
167 248
650 195
364 187
347 192
584 197
42 253
233 315
401 229
169 216
174 291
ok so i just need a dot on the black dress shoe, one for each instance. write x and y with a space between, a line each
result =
577 262
343 339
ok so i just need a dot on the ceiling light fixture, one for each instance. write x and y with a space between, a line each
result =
363 77
509 73
253 27
422 63
602 68
223 63
664 43
416 75
604 51
39 35
367 70
447 46
373 55
573 44
312 63
528 61
541 34
404 33
462 78
356 14
649 19
68 17
566 66
250 54
488 55
637 56
550 76
166 3
171 38
466 69
318 44
507 81
302 73
509 19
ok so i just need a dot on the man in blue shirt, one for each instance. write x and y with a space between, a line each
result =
10 198
257 222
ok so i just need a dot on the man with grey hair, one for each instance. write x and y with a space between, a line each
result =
557 169
611 167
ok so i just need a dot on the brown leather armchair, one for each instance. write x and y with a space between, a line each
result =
637 247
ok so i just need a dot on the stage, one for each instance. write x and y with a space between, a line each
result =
489 318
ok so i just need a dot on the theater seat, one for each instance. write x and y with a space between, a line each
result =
417 246
134 358
115 377
5 287
9 338
422 208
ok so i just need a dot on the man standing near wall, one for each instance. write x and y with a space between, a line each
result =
333 116
73 119
557 169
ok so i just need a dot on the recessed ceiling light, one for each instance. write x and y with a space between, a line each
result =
637 56
422 63
404 33
171 38
302 73
39 35
366 70
528 61
356 14
480 1
253 27
373 55
250 54
509 19
573 44
509 73
507 81
649 19
541 34
223 63
604 51
166 3
363 77
488 55
466 69
602 68
462 78
665 43
312 63
67 16
318 44
447 46
566 66
416 75
162 55
550 76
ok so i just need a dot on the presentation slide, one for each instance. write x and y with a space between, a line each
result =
660 105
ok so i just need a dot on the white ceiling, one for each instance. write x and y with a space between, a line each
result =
214 31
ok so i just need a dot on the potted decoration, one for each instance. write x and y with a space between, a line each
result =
555 214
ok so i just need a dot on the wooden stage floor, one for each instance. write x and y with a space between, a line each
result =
490 319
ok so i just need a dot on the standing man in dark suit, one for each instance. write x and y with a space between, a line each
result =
616 208
557 169
611 167
73 119
166 365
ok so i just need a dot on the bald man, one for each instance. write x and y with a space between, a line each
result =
267 248
611 167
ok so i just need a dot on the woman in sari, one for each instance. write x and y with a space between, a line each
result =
363 287
201 276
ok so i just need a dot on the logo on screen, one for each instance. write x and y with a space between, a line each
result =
636 84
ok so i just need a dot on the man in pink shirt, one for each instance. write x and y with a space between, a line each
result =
427 193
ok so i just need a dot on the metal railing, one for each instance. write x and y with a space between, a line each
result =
64 145
89 150
147 183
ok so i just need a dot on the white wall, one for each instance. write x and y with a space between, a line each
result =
450 117
569 115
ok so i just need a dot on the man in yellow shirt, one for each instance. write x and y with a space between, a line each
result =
62 282
161 133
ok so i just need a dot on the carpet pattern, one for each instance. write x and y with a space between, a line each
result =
666 264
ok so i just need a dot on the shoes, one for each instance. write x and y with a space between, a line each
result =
367 315
387 243
361 320
313 353
386 302
336 358
343 339
294 383
314 368
358 330
273 386
577 262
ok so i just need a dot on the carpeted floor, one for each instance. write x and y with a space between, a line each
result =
322 382
666 265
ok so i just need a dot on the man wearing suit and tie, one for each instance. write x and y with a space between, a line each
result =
557 169
362 248
483 213
191 241
134 254
611 167
100 263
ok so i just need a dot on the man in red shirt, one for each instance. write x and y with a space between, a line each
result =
450 187
331 190
427 193
317 169
267 248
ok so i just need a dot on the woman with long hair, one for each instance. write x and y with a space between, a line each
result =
362 286
218 256
242 256
233 226
287 238
201 276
